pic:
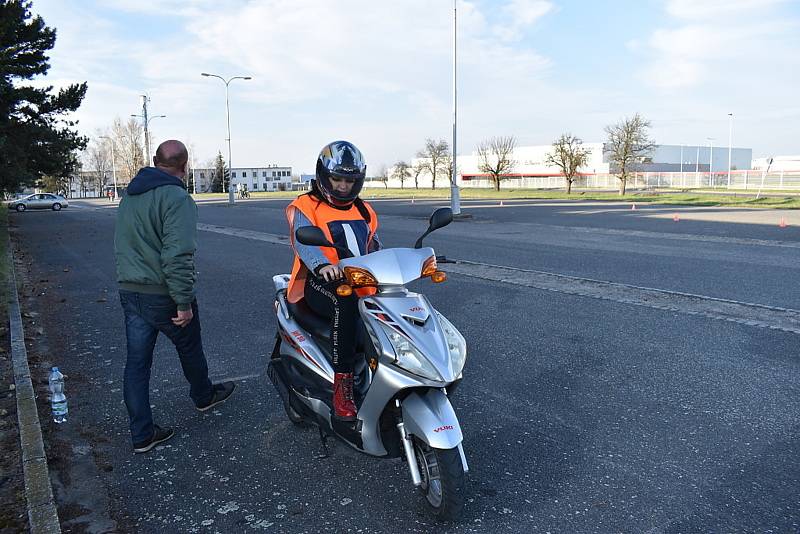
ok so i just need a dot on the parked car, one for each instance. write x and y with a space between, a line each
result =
40 201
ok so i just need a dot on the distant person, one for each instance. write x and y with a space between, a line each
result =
110 195
154 246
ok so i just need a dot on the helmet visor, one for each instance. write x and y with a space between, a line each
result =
343 159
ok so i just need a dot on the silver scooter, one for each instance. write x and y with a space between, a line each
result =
409 360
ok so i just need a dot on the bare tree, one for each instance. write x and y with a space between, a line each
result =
416 169
128 149
383 176
447 166
98 156
568 155
401 172
432 157
496 158
627 146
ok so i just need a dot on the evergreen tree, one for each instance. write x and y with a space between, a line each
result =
221 174
35 138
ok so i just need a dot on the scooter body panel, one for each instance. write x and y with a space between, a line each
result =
428 415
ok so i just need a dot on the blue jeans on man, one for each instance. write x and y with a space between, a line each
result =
145 316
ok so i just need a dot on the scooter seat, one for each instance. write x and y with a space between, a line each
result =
320 327
316 325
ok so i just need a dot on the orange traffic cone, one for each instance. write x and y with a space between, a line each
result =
676 218
782 224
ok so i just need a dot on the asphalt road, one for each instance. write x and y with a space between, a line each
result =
580 414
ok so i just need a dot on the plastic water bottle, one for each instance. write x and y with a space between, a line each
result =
58 400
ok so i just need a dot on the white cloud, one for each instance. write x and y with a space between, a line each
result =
372 68
714 38
718 9
520 15
380 73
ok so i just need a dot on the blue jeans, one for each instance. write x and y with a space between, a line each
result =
145 316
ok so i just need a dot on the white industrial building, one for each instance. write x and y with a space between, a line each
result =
531 170
779 163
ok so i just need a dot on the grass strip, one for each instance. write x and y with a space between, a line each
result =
683 198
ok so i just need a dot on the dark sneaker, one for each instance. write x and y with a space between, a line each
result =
160 435
221 392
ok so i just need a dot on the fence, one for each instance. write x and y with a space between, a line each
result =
747 180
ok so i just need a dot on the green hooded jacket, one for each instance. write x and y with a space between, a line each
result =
156 237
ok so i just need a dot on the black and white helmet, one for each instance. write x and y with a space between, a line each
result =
340 159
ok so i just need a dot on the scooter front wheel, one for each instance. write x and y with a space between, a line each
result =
442 479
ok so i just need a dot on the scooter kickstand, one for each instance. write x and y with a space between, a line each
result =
323 451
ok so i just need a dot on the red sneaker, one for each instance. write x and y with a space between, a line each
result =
343 406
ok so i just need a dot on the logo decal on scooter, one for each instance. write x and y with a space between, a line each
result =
416 309
300 337
442 428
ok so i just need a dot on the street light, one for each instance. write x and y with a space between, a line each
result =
228 120
730 140
455 197
113 168
147 133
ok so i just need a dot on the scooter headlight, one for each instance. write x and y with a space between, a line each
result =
456 345
408 357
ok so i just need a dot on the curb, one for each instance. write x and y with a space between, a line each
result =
42 512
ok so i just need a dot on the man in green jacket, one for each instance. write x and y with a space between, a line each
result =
154 245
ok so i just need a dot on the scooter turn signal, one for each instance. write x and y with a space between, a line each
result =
438 277
344 290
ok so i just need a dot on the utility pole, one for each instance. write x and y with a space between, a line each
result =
147 161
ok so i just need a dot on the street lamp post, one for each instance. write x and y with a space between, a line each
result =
228 120
147 120
113 166
455 197
730 145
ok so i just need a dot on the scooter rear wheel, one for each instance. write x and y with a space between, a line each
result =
442 479
293 415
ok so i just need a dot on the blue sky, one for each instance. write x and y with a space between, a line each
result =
379 73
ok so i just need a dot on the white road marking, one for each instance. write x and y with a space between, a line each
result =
747 313
751 314
246 234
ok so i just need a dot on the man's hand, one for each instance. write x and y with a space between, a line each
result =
330 273
184 317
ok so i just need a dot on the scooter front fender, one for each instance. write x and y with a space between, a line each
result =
428 415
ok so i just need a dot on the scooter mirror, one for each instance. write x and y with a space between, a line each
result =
440 218
311 235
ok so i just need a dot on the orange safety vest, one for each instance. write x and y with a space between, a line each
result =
322 215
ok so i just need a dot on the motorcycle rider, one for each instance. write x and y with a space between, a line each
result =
333 205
